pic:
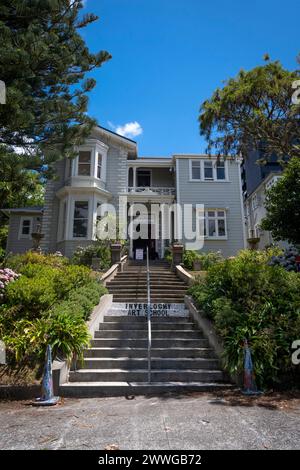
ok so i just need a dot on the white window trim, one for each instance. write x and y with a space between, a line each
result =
22 236
94 147
216 218
202 177
191 169
80 199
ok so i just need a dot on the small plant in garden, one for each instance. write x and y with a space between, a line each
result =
85 255
205 259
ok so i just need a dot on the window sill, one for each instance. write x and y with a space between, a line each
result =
216 238
209 181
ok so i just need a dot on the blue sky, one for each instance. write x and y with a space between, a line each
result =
170 55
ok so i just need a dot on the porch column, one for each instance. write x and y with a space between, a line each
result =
134 177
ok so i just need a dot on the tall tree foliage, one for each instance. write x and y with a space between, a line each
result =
44 63
253 109
283 205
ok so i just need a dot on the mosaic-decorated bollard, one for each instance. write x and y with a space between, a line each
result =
250 387
48 398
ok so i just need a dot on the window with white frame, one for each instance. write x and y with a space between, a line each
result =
84 162
99 165
80 219
214 221
208 170
25 227
196 169
220 170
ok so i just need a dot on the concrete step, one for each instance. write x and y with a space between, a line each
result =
137 320
157 363
155 352
142 290
167 343
172 298
166 375
158 282
143 326
143 334
109 389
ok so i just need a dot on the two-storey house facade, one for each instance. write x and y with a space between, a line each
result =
107 170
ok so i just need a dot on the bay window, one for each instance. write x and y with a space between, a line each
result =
99 165
84 163
80 220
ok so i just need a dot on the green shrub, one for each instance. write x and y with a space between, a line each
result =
81 301
71 277
16 262
168 255
31 295
247 298
48 304
206 259
189 257
84 256
66 334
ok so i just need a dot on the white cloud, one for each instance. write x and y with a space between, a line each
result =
130 129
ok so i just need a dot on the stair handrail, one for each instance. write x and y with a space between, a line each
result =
149 316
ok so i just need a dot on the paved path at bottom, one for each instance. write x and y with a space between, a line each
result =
193 421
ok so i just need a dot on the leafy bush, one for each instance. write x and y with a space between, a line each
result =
66 334
85 255
16 262
168 255
247 298
48 304
206 259
81 301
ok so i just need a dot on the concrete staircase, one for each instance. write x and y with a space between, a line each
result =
131 286
116 363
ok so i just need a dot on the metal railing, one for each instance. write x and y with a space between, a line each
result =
149 316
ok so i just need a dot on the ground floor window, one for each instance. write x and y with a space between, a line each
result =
214 223
25 227
81 217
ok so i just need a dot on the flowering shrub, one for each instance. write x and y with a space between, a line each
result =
287 259
6 276
245 297
48 303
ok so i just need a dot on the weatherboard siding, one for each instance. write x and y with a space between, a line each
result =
225 195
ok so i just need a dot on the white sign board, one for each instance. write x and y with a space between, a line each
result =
139 254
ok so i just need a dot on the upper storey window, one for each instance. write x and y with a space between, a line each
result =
207 170
84 163
99 166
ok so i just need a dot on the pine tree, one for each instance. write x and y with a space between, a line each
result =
44 62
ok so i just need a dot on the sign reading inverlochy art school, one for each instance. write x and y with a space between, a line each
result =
157 309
